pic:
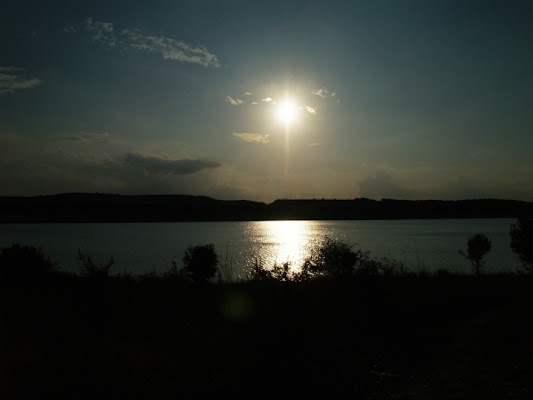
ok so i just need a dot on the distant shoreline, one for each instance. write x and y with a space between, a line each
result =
88 208
81 221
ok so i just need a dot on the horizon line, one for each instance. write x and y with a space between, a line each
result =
257 201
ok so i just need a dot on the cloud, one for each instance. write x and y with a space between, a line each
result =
102 31
171 49
254 102
252 137
33 166
13 79
248 93
168 48
313 144
85 137
268 100
233 101
161 165
310 110
322 92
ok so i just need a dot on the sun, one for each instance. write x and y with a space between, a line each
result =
287 111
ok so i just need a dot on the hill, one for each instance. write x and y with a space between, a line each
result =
98 207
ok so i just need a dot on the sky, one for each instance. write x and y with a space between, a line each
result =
268 100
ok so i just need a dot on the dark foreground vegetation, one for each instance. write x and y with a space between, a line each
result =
372 332
95 207
344 325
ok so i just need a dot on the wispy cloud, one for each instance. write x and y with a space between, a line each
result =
233 101
310 110
85 137
102 31
252 137
171 49
313 144
268 100
248 93
161 165
254 102
13 79
322 92
168 48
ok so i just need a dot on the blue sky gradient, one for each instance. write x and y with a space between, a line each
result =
409 99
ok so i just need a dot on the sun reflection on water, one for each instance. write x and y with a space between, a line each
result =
285 241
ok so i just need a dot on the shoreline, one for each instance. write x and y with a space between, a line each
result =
88 208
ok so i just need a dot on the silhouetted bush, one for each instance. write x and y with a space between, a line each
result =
92 270
200 262
522 241
258 271
21 263
477 247
280 273
333 258
374 267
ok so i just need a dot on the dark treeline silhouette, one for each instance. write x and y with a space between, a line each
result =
85 207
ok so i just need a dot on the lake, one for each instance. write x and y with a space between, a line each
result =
144 247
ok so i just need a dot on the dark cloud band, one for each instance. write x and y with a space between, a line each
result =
159 165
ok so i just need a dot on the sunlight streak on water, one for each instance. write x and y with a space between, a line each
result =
143 247
287 241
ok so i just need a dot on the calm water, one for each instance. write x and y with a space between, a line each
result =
143 247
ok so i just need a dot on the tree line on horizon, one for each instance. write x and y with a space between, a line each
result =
167 208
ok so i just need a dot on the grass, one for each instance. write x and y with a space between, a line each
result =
371 336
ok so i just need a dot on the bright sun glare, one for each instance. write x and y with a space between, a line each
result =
287 111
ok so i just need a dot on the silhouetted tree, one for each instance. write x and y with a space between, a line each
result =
21 263
522 241
333 258
93 270
200 262
477 247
